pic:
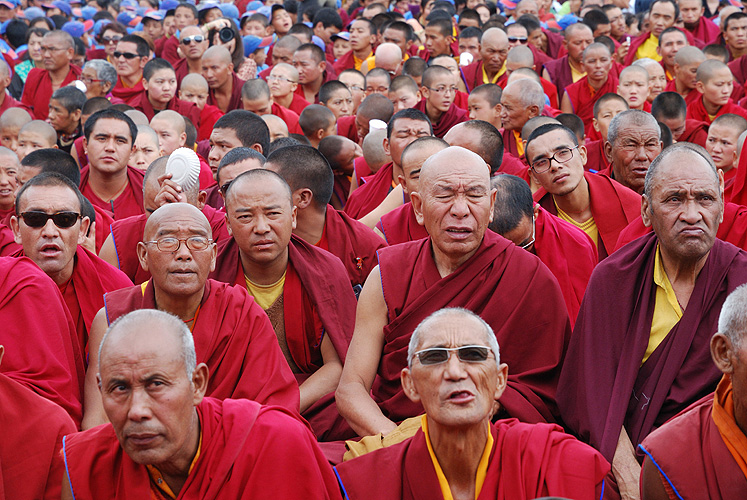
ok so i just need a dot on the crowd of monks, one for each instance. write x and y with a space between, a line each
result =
441 249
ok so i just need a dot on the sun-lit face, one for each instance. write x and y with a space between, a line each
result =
721 144
717 90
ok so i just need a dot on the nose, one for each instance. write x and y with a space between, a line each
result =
261 226
49 230
459 207
139 406
454 368
691 212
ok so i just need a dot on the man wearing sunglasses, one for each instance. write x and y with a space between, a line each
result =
454 371
192 45
129 58
461 264
233 335
49 225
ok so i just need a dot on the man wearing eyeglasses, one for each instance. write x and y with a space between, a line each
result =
283 81
130 58
439 89
455 371
192 45
461 264
232 334
57 55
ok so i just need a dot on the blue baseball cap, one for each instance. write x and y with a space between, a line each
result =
32 13
75 28
229 10
63 6
252 43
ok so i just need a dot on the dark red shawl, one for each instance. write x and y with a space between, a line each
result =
453 116
706 31
691 96
636 43
596 160
400 225
738 68
208 116
184 108
289 117
695 132
345 61
235 101
37 91
697 111
346 128
560 73
532 334
127 204
127 95
603 386
8 243
298 104
370 195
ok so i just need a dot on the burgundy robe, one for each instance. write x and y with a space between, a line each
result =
208 116
370 195
289 117
473 78
603 386
298 104
400 225
636 43
560 73
583 98
235 101
691 96
127 95
697 111
528 461
596 160
345 61
738 68
233 336
10 102
532 335
695 132
37 91
8 244
184 108
247 451
127 204
346 128
453 116
706 31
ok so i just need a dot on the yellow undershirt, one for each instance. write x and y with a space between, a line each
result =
482 467
648 49
589 226
576 75
667 310
519 143
265 295
711 117
485 78
157 478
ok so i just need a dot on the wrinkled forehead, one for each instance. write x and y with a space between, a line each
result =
452 330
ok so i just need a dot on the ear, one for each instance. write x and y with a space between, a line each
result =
722 352
607 150
387 151
14 225
142 252
257 147
294 216
145 84
417 207
182 139
595 124
493 195
303 198
199 383
76 115
143 62
85 222
85 145
502 381
658 51
700 87
535 111
646 210
408 385
201 199
323 65
425 92
2 353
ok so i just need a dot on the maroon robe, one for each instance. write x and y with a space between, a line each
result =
235 100
738 68
691 96
298 104
10 102
208 116
127 95
346 128
695 132
532 335
127 204
32 439
453 116
706 31
636 43
247 450
370 195
8 243
184 108
168 50
528 461
37 91
345 61
289 117
400 225
596 160
560 73
473 78
328 75
583 97
233 336
697 111
603 386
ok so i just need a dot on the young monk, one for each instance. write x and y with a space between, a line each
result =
721 144
714 82
194 88
159 82
404 93
317 122
35 135
686 64
633 87
11 122
439 90
484 103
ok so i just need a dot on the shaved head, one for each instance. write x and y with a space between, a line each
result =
172 211
218 53
44 129
194 81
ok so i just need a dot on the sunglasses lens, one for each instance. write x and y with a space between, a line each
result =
434 356
65 219
62 220
35 219
473 354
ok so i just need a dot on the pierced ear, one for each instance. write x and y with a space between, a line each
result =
645 210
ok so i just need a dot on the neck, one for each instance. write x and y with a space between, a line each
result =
682 272
64 275
577 202
284 101
737 53
310 224
132 80
107 186
157 105
459 452
597 84
195 65
183 306
262 273
313 87
434 114
58 75
681 88
712 109
448 263
576 65
175 474
226 87
71 130
362 54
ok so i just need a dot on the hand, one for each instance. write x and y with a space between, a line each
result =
90 241
626 468
622 52
170 192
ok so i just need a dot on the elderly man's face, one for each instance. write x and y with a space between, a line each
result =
55 52
514 114
493 52
455 393
635 148
686 206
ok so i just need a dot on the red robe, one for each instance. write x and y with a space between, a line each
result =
10 102
583 98
127 233
247 451
400 225
560 73
528 461
184 108
32 439
328 75
636 43
127 204
298 104
697 111
127 95
613 207
37 91
169 48
41 348
596 160
208 116
695 132
691 96
738 68
289 117
8 244
235 101
233 336
603 386
346 128
345 61
532 335
370 195
510 146
473 78
453 116
706 31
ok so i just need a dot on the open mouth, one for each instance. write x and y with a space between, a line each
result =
461 396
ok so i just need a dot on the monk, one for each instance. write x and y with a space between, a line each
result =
160 84
606 108
341 153
671 41
439 88
453 355
634 87
521 101
11 122
714 82
668 287
633 141
657 79
35 135
255 97
107 181
686 64
194 88
313 71
134 53
484 103
373 107
310 178
54 245
461 265
662 15
569 69
721 144
225 86
565 249
316 123
709 433
490 66
166 439
404 127
9 166
694 20
670 109
193 50
598 205
233 335
235 129
234 163
283 82
36 426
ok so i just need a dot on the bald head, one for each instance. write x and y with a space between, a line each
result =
171 212
689 55
708 69
577 29
251 180
494 36
595 50
42 129
14 117
388 56
447 159
194 81
519 57
217 53
170 117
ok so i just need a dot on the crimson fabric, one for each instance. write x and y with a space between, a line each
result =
346 128
127 233
235 101
298 104
341 188
247 452
695 132
214 198
613 207
738 68
400 225
181 69
510 146
568 253
206 174
80 149
184 108
8 244
691 96
100 53
169 50
472 76
636 43
706 31
37 91
710 470
32 439
540 58
514 166
603 386
560 74
289 117
41 348
345 61
595 158
127 204
737 193
208 116
583 100
370 195
9 102
453 116
103 226
361 169
554 43
328 75
354 243
697 111
528 461
461 100
127 95
233 336
551 92
532 334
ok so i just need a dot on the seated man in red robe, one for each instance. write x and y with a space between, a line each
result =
232 334
132 53
439 88
225 85
694 20
58 71
461 264
166 439
304 290
714 82
721 144
341 153
235 129
711 432
732 32
490 66
316 123
565 249
159 84
454 371
670 109
569 69
107 181
484 139
657 299
313 71
55 246
520 102
633 141
255 97
283 82
595 203
686 64
36 426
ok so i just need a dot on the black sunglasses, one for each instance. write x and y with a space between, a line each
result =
38 219
126 55
189 39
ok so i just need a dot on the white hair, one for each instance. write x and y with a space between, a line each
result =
732 321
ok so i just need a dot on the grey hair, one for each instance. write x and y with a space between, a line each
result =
105 71
645 62
147 318
732 322
11 154
636 117
530 93
680 147
452 311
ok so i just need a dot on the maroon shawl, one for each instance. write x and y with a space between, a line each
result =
560 73
697 111
127 204
453 116
184 108
370 195
235 101
127 95
400 225
37 91
583 98
706 31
